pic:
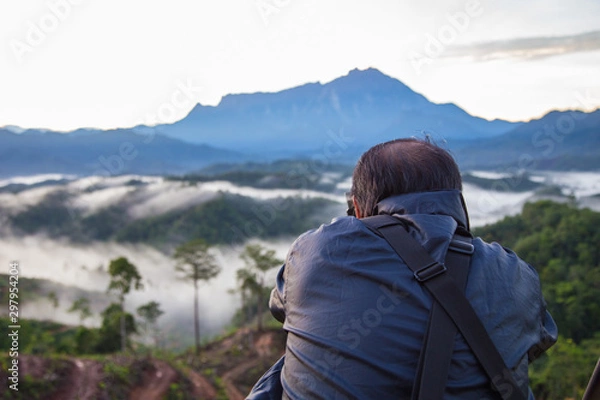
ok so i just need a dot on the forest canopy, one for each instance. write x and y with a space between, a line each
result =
561 242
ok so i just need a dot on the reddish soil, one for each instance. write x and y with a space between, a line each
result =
78 379
236 359
33 365
264 348
230 376
202 387
82 383
264 344
155 383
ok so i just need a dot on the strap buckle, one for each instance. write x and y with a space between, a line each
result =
459 246
430 271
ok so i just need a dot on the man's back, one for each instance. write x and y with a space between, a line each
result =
356 316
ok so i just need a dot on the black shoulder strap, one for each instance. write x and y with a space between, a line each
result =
449 296
438 342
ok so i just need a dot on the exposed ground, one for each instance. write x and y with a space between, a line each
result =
82 381
226 369
155 383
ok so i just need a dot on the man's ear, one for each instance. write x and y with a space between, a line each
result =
357 212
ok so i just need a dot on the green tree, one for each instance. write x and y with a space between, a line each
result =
115 321
565 370
87 340
149 313
123 276
53 299
258 261
247 286
196 263
81 306
561 242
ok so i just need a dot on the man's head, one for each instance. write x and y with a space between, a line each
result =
401 166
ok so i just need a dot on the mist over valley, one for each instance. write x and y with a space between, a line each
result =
43 217
256 168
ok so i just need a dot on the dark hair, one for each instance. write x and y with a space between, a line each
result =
402 166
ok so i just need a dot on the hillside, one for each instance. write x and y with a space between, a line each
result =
103 153
227 370
561 242
163 211
559 141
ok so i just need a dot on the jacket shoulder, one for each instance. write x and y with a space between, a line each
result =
338 229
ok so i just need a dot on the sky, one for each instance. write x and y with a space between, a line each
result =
67 64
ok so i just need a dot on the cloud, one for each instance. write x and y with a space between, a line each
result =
527 48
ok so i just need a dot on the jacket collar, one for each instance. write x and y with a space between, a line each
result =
442 202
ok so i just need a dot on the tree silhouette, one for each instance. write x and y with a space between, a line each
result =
258 261
82 306
123 276
196 263
115 321
149 313
247 286
53 298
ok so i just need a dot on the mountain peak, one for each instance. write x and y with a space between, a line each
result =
374 72
356 80
14 129
367 75
370 80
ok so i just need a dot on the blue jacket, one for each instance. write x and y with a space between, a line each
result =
356 317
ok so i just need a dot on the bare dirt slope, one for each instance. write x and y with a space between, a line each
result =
155 382
203 389
227 367
82 382
248 355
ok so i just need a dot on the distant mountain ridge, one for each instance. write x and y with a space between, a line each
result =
113 152
333 122
368 106
560 140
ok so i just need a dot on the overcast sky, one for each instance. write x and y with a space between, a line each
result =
66 64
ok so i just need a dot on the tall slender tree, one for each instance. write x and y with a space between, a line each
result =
247 287
149 313
123 276
196 263
258 261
